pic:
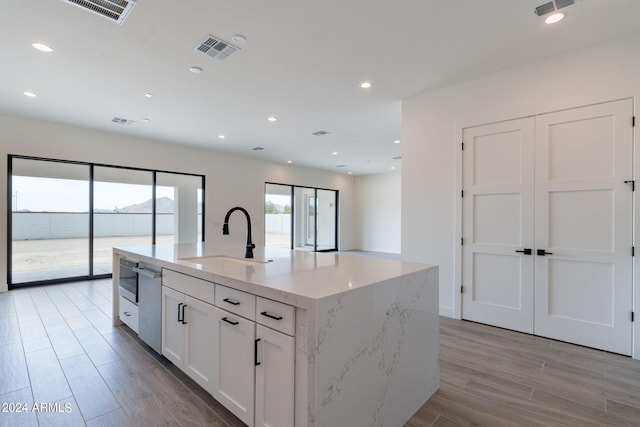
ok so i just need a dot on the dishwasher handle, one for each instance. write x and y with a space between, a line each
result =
148 273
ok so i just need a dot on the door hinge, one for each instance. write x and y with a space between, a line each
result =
633 184
632 316
633 121
462 241
462 289
462 193
462 144
633 251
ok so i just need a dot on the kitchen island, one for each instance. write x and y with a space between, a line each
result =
357 336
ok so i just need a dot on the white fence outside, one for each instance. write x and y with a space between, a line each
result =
51 225
277 223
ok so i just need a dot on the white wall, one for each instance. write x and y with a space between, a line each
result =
431 124
377 207
230 180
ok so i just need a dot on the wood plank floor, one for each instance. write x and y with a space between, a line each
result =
58 347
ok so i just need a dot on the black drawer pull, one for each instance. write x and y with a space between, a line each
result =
255 351
184 322
179 310
230 321
230 301
542 252
271 316
525 251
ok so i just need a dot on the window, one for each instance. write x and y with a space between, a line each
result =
303 218
66 217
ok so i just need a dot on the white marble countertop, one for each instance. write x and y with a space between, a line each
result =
295 277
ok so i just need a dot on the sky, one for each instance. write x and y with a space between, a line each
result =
65 195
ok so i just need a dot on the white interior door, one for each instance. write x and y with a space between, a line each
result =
583 218
497 223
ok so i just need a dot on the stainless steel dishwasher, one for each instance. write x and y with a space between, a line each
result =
150 305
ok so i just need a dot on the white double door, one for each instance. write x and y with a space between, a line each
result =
547 225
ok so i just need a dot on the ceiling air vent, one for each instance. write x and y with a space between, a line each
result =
114 10
121 121
543 9
320 133
564 3
258 148
215 48
549 7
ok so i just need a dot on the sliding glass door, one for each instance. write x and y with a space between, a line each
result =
310 215
49 220
122 212
277 215
66 217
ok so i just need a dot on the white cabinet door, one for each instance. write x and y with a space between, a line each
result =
234 358
497 223
274 378
200 323
583 285
172 326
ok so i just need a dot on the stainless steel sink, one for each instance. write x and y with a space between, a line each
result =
223 261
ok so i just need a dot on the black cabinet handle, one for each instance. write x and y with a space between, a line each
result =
230 321
179 310
255 351
542 252
230 301
126 313
271 316
525 251
183 307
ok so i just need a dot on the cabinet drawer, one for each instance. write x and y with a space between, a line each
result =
128 313
235 301
276 315
197 288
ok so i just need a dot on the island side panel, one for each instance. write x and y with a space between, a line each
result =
377 352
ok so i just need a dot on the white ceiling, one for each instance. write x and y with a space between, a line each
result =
303 63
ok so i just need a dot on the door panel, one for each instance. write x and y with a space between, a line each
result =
233 358
201 321
172 328
497 221
583 288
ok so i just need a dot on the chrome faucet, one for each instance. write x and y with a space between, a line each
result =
225 229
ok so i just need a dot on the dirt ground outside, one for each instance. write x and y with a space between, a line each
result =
32 255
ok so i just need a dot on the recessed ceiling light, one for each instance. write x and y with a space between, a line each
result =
42 47
392 167
289 161
365 85
221 137
195 70
144 119
350 172
272 119
335 153
239 38
397 141
554 17
148 95
29 94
